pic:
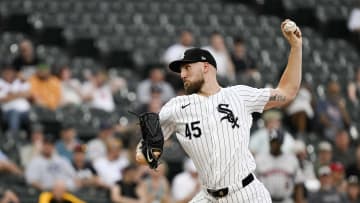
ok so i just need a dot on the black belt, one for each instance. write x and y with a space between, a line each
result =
224 191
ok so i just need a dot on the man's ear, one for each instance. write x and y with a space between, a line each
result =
206 67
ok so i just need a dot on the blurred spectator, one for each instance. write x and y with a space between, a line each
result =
71 87
27 60
224 65
97 92
280 172
157 186
343 152
97 147
186 184
353 190
324 156
110 166
353 89
66 145
354 168
338 176
327 192
306 166
174 155
354 23
176 51
9 197
300 111
85 172
33 149
155 83
155 103
58 195
13 98
259 140
44 170
332 111
128 189
45 88
7 166
245 65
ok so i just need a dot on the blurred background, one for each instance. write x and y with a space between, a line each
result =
71 70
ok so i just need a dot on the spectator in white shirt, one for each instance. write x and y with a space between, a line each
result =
155 82
13 98
97 92
354 19
354 24
109 167
97 147
71 87
186 184
34 148
47 168
259 140
225 66
176 51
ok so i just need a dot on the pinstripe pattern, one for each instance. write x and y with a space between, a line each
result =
221 152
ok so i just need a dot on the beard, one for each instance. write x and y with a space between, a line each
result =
193 87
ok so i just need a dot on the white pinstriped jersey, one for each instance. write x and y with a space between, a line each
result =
214 131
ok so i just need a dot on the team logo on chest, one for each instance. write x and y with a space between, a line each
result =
229 115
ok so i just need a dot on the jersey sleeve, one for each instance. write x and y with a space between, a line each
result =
167 121
254 99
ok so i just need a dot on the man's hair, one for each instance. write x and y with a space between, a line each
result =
186 30
215 33
239 40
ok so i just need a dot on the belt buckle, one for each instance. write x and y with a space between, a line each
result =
218 193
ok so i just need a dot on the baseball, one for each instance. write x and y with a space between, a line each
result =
290 26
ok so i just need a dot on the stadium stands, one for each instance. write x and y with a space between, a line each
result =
129 36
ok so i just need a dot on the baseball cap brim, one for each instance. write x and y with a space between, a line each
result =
175 65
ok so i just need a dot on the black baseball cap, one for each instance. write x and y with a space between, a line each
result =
193 55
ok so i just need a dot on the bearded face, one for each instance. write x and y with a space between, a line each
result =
193 86
192 77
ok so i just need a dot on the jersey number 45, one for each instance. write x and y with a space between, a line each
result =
192 130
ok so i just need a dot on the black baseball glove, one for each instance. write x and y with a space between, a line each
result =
152 138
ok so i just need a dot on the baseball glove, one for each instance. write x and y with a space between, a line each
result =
152 138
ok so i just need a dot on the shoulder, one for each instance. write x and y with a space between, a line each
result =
262 156
54 79
59 143
2 82
145 82
123 161
244 88
94 142
61 159
177 101
174 47
100 161
173 102
37 160
290 158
